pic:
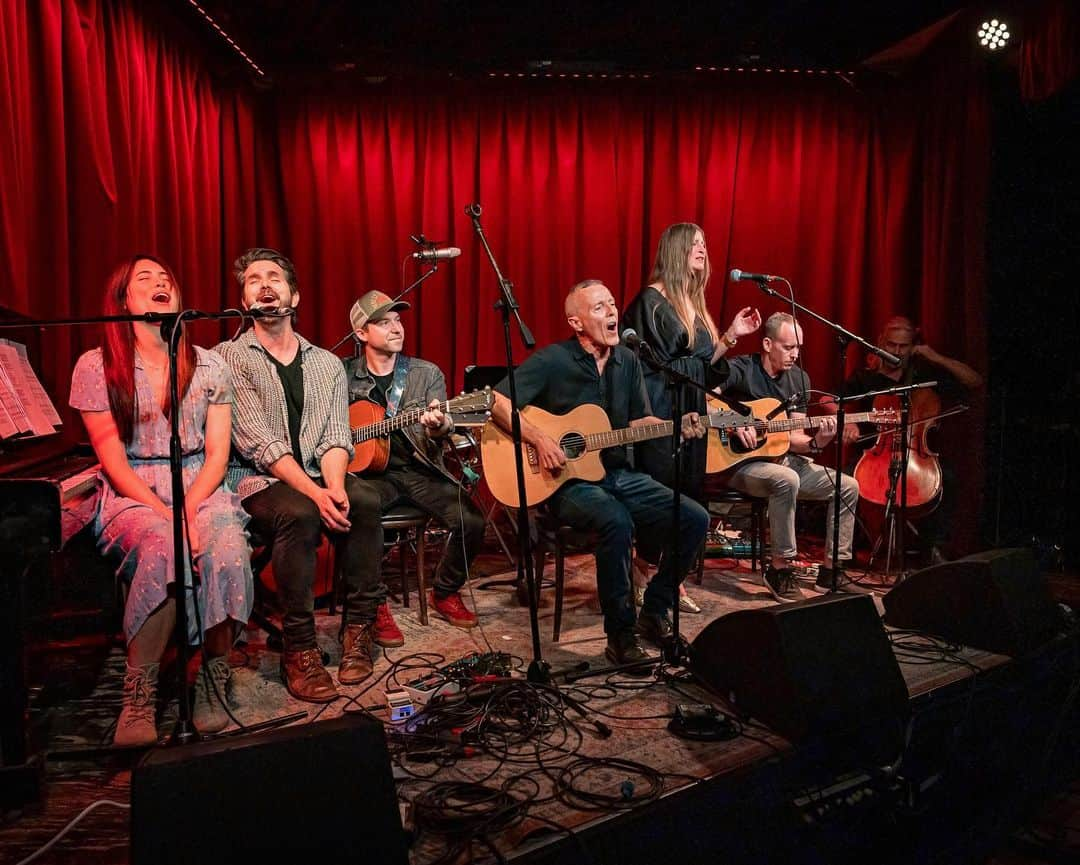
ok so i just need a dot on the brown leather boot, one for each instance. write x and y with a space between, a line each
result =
356 663
305 676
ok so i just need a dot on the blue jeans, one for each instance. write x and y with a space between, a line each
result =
623 503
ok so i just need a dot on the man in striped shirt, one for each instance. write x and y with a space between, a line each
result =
291 447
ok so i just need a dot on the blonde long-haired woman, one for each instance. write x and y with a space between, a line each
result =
670 314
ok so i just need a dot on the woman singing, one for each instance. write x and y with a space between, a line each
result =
670 315
122 392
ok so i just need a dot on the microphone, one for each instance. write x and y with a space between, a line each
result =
270 312
634 342
737 275
437 254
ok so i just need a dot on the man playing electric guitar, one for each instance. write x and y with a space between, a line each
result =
415 470
592 367
773 373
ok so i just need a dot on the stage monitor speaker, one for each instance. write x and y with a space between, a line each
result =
995 600
319 792
817 669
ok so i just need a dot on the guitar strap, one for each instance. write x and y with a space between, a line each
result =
397 386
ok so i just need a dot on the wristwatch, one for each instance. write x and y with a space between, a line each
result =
730 341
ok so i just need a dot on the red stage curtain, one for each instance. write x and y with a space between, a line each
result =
1050 48
869 197
114 140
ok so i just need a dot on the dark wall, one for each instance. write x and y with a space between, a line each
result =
1033 253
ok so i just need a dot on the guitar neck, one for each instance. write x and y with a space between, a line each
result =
794 423
383 428
614 438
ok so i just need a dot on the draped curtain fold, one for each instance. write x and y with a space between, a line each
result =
1050 48
869 198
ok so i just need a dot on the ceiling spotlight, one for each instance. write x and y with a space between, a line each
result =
993 34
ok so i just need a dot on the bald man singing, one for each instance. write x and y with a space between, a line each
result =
592 367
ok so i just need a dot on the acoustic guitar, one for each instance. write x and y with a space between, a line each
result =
371 427
581 434
773 428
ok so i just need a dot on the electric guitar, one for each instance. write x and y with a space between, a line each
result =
371 427
581 433
773 428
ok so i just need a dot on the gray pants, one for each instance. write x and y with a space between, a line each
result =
783 483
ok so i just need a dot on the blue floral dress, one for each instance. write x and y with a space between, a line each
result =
137 536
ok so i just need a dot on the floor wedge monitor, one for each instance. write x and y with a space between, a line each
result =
319 792
995 600
821 668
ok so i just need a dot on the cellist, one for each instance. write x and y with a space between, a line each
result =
918 363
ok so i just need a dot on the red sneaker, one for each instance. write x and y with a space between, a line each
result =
453 609
387 633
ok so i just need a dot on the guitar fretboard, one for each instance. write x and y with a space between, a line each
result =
613 438
793 423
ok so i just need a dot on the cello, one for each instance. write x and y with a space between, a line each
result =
880 464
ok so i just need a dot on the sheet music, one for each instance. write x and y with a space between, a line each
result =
11 403
7 425
22 394
37 389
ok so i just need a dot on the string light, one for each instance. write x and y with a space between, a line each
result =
232 42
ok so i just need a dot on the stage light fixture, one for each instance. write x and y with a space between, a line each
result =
993 34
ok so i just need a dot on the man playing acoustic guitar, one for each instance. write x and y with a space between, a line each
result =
593 368
414 471
773 373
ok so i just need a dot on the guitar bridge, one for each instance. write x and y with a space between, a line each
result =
532 459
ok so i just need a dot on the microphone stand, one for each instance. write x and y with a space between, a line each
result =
539 669
896 524
423 276
844 338
676 651
171 324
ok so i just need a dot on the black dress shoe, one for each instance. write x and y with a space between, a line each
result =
624 648
658 630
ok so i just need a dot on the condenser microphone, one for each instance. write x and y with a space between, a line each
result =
437 254
737 275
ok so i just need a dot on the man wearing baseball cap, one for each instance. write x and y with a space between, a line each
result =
291 447
415 472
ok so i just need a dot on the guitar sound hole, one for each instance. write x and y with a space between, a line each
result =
573 445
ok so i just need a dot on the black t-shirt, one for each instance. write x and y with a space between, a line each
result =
749 380
563 376
401 450
292 381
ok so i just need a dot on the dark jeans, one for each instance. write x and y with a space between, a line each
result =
449 505
626 501
291 521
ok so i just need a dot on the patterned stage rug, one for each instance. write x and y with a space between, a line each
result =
636 711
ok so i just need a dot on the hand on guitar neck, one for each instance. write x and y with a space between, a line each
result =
550 453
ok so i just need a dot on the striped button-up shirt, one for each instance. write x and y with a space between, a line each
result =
260 421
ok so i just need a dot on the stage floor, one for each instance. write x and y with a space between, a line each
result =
637 711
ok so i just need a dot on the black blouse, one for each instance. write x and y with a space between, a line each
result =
653 317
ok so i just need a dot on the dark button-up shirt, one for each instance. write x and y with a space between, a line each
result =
563 376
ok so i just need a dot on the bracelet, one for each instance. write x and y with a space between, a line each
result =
730 341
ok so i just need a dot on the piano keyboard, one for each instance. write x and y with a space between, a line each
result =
78 485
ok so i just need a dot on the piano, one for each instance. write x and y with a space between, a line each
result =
47 497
